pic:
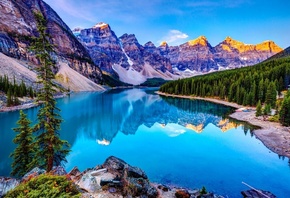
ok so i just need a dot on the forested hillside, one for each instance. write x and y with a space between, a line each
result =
13 90
244 86
284 53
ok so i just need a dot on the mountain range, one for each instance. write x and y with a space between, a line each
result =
84 56
133 63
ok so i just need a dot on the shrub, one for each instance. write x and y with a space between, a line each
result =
274 118
203 191
45 186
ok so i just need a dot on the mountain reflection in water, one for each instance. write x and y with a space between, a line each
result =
125 111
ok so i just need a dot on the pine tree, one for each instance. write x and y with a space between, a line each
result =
23 155
271 95
52 150
261 90
267 109
284 113
31 93
259 109
9 98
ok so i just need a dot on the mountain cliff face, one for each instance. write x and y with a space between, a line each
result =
18 25
124 57
104 47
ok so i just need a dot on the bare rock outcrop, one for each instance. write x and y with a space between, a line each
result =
18 26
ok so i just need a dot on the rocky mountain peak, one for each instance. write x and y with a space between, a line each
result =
101 25
202 40
129 38
228 44
268 46
164 44
149 45
76 31
230 41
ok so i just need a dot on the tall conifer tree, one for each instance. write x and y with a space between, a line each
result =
52 150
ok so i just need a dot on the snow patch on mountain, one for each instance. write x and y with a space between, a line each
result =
130 76
130 62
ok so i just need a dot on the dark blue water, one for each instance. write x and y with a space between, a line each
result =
179 142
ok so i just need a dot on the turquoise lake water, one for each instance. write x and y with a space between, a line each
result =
178 142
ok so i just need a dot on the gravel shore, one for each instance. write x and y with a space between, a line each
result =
18 107
273 135
28 103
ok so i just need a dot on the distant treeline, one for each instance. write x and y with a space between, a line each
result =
245 86
14 90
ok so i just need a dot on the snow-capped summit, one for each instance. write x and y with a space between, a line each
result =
100 25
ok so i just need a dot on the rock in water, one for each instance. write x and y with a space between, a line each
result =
255 194
7 184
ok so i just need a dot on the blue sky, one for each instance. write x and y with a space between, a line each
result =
178 21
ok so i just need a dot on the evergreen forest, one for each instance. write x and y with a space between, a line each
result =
14 90
248 86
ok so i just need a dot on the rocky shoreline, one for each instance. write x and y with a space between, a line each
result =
113 179
273 135
26 104
117 179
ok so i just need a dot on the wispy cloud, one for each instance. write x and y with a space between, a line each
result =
174 37
74 9
93 11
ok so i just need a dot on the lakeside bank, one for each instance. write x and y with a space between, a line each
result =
26 105
273 135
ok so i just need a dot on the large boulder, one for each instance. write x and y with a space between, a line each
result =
33 173
7 184
114 177
58 170
134 180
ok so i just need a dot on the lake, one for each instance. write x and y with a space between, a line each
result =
178 142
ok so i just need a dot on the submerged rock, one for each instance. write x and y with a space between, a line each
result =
182 194
255 194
